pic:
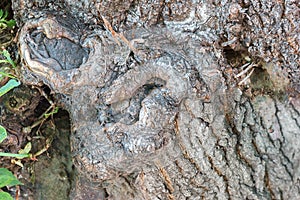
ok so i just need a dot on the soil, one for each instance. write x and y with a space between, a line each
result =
161 100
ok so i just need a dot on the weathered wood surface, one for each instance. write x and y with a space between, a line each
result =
163 117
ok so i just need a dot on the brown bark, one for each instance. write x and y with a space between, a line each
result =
197 134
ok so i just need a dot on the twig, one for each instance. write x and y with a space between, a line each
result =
118 35
109 27
246 70
240 83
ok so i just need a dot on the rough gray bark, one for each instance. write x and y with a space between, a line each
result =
157 115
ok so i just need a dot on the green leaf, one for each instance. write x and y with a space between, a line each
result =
5 15
26 149
5 196
12 83
3 133
11 23
1 14
15 155
7 178
8 58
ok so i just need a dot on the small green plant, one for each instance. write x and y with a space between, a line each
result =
4 23
4 70
13 82
54 111
7 179
8 59
23 153
3 133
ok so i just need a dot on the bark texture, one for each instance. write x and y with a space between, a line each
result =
156 110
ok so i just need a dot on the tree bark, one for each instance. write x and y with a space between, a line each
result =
225 140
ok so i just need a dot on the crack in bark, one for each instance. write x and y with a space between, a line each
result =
167 181
183 148
297 113
282 142
294 108
218 171
278 120
268 183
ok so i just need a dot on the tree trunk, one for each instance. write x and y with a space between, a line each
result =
230 132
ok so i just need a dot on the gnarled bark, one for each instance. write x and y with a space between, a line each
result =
156 111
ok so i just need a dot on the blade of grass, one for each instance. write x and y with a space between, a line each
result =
3 133
6 54
12 83
4 61
15 155
7 75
